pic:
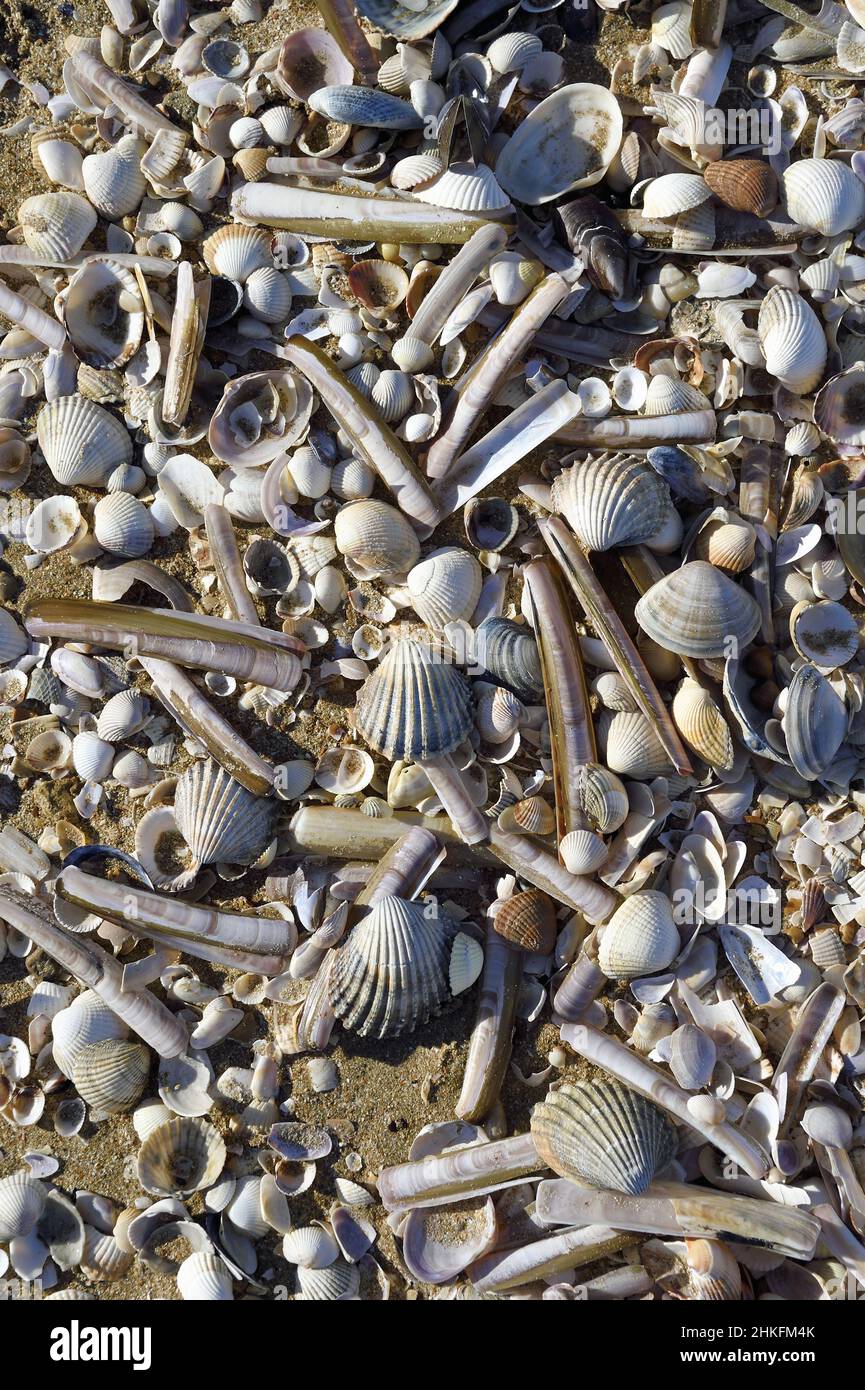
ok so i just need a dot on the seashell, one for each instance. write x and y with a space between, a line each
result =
838 412
122 525
512 277
747 185
408 22
825 634
310 59
390 975
633 749
414 705
815 722
54 525
823 195
827 949
490 523
667 395
416 169
531 816
364 106
672 194
379 285
82 442
344 770
180 1156
86 1021
259 416
656 1021
246 133
281 124
236 252
499 714
111 1075
467 187
697 611
582 851
528 921
727 541
350 478
61 162
792 338
104 1261
56 225
267 295
511 52
310 1247
375 539
703 726
104 313
692 1057
604 1134
219 819
394 395
612 499
123 715
507 654
445 587
466 963
340 1281
204 1278
22 1200
114 181
567 141
630 388
641 937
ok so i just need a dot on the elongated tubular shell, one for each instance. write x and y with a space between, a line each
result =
188 325
490 1042
480 383
450 787
572 734
226 561
760 476
681 1210
136 112
508 1269
199 720
245 943
99 971
340 216
804 1049
640 1075
612 632
377 445
188 639
469 1172
641 431
31 319
582 984
604 1134
455 280
341 21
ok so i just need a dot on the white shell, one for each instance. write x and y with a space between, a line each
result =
792 337
122 525
567 141
375 539
104 313
123 715
22 1199
82 441
113 181
445 587
86 1020
468 187
466 963
824 195
236 252
204 1278
672 194
56 224
92 756
640 938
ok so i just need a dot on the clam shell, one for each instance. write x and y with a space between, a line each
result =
633 749
531 816
672 194
375 538
204 1278
792 337
406 21
181 1156
667 395
697 610
87 1020
111 1075
445 587
747 185
267 295
703 726
511 52
56 225
364 106
259 416
113 181
378 285
123 715
824 633
281 124
640 938
235 251
612 499
391 974
82 442
416 169
604 1134
122 525
815 722
692 1057
499 714
839 411
507 653
311 1247
414 705
824 195
567 141
104 313
467 187
22 1199
219 819
466 963
603 798
528 921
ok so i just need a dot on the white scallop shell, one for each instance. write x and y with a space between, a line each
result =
466 963
672 194
86 1020
236 252
267 295
92 756
204 1278
393 393
219 819
124 714
22 1199
468 187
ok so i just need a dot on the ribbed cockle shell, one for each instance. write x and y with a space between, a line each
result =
604 1134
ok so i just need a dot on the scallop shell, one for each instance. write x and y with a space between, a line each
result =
339 1281
82 442
641 937
219 819
467 187
747 185
672 194
667 395
567 141
113 181
445 587
181 1156
393 393
311 1247
267 295
235 251
375 538
22 1199
111 1075
379 285
104 313
792 338
507 653
414 705
528 921
123 715
604 1134
703 726
824 195
204 1278
697 611
531 816
582 851
633 749
92 757
122 525
56 225
391 973
612 499
416 169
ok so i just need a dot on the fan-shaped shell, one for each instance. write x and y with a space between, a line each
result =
416 169
698 611
181 1156
640 938
379 285
111 1075
104 313
376 538
528 921
87 1020
311 1247
567 141
393 393
56 225
511 52
531 816
445 587
391 973
122 525
727 541
406 21
667 395
22 1200
339 1280
633 749
612 499
82 442
113 180
672 194
414 705
792 338
748 185
235 251
703 726
123 715
204 1278
508 655
604 1134
582 851
467 187
219 819
824 195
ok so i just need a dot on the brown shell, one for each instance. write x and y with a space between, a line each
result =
748 185
533 816
528 920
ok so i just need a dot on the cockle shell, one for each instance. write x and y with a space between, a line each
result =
379 285
531 816
612 499
123 715
747 185
511 52
82 441
56 225
87 1020
22 1200
672 194
445 587
113 181
390 975
508 655
582 851
792 337
467 187
309 59
414 705
703 726
393 393
824 195
340 1281
604 1134
602 797
122 525
375 538
567 141
219 819
110 1075
839 411
267 295
416 169
727 541
236 252
499 714
633 749
204 1278
104 313
697 611
667 395
528 921
641 937
181 1156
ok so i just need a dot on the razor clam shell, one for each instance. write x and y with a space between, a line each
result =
473 1170
508 1269
490 1042
345 217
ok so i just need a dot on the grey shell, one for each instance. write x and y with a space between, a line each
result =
414 705
604 1134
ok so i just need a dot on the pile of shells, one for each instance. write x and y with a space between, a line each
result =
432 579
